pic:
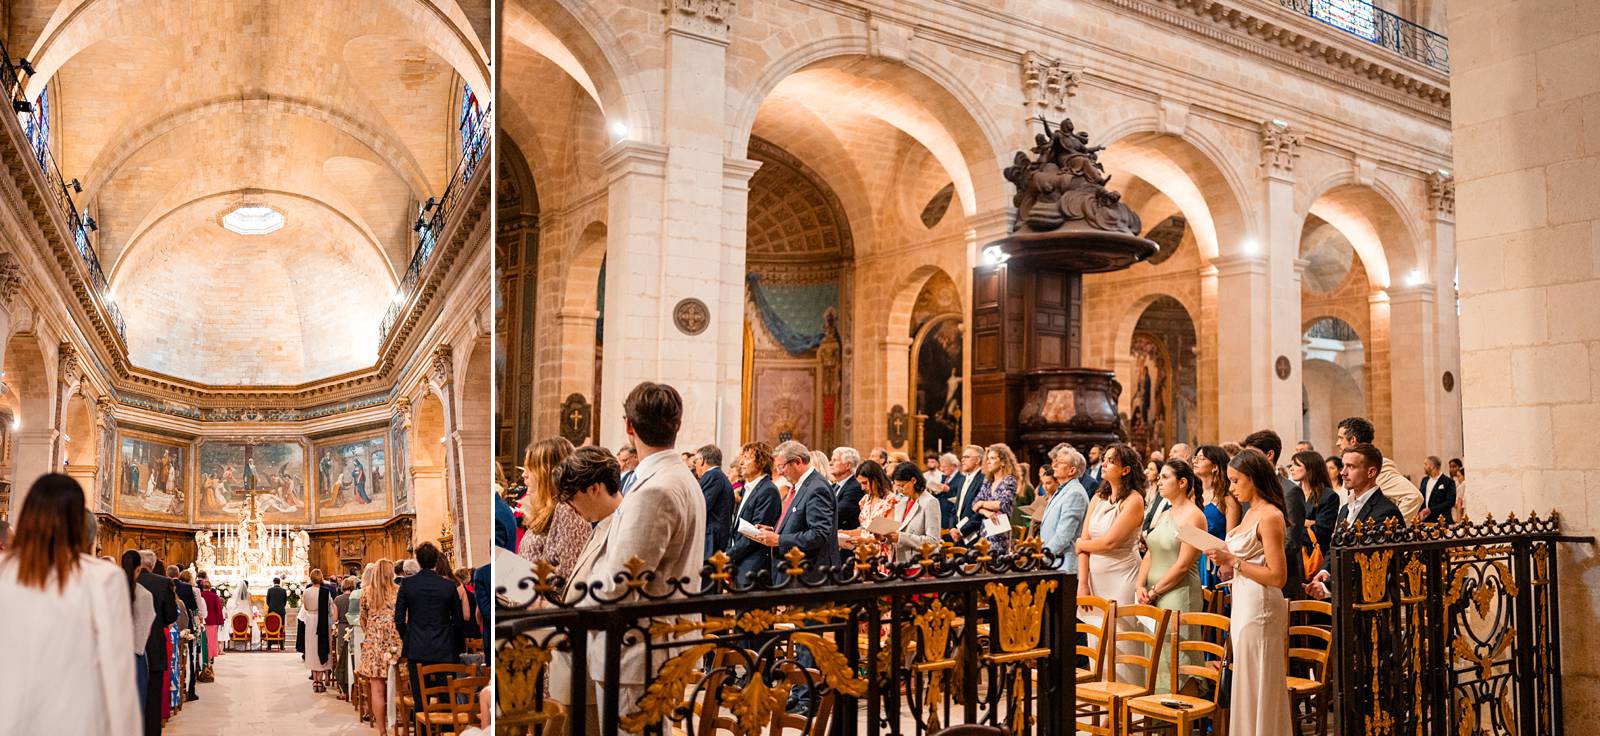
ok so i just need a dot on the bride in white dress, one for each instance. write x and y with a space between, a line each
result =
241 603
1108 550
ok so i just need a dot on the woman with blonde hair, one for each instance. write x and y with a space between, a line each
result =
555 533
380 641
1001 478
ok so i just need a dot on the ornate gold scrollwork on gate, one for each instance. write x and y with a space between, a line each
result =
1020 611
752 706
519 673
934 626
666 692
1374 579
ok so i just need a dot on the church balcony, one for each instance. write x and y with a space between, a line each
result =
1376 25
68 232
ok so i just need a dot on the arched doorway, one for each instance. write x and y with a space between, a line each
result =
1333 373
429 489
1163 394
30 434
469 499
79 446
515 302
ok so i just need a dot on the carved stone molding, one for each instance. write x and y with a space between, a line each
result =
1046 84
68 358
440 371
1279 148
10 278
1441 193
402 409
707 19
889 40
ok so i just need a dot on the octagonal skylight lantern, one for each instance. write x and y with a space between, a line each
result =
253 220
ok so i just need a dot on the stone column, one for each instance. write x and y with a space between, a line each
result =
1280 149
1413 377
669 318
85 475
474 521
1447 440
31 458
430 498
894 354
1243 346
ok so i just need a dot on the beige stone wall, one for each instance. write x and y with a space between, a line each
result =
1527 110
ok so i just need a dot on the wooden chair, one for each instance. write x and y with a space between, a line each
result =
783 721
1103 698
1153 712
403 705
474 645
1100 633
437 709
464 700
272 631
239 629
1315 643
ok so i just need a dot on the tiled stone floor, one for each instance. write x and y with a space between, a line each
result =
266 694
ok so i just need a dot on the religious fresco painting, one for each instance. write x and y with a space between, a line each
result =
352 477
939 386
274 469
400 463
150 477
105 474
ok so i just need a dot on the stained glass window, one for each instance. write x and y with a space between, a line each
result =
37 125
472 133
1351 16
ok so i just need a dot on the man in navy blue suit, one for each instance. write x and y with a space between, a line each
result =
847 492
807 522
718 490
760 505
964 488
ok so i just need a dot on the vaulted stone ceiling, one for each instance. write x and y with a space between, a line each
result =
342 116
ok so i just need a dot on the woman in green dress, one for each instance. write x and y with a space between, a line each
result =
1169 576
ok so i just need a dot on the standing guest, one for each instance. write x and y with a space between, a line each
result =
425 613
589 481
471 615
278 600
1303 446
1233 449
1259 622
919 520
68 623
807 521
964 487
1336 471
553 532
1438 492
718 494
144 615
661 522
317 607
1294 512
464 616
847 491
876 500
1108 554
1458 473
1181 451
1353 431
155 648
1221 508
213 615
1362 465
1063 514
1322 504
378 636
948 463
688 462
1024 498
759 506
341 625
628 459
1092 476
191 604
880 456
5 534
995 500
1169 576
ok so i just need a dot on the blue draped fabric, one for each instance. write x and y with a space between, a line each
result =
793 312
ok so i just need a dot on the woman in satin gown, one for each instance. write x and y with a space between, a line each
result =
1108 553
1260 620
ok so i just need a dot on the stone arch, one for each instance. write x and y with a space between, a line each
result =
429 465
1374 219
955 126
1329 374
79 439
1196 173
572 34
30 388
473 424
1161 345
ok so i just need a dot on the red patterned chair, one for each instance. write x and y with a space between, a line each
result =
272 631
239 629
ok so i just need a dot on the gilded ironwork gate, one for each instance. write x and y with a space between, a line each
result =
876 647
1448 630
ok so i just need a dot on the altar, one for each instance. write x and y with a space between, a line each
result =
253 551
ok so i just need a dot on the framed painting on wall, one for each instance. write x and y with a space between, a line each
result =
276 469
151 477
352 477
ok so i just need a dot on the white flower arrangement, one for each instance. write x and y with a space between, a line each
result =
224 591
295 590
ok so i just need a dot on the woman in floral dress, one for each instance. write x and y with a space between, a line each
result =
1001 475
555 532
876 500
380 643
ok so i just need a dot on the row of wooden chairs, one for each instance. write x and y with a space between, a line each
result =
449 705
1109 707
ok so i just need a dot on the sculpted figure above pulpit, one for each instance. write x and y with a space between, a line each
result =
300 557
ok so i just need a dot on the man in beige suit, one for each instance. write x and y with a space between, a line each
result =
1353 431
662 521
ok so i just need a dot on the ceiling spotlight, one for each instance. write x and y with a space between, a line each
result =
1280 123
399 296
619 129
994 255
76 187
27 67
89 222
1414 278
21 106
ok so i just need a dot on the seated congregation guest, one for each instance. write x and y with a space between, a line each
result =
847 491
68 632
807 521
1169 575
718 494
378 636
876 500
1322 504
759 505
1108 554
995 499
1438 493
1063 513
553 531
425 613
918 516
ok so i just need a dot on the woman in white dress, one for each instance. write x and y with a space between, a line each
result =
1108 554
317 607
240 602
67 642
1259 625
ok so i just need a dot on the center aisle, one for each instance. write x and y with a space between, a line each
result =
266 694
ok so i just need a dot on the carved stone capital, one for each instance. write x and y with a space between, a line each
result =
10 278
1279 147
440 371
68 359
1441 193
1046 84
706 19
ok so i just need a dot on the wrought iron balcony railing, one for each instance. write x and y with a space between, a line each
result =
60 195
431 221
1361 19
